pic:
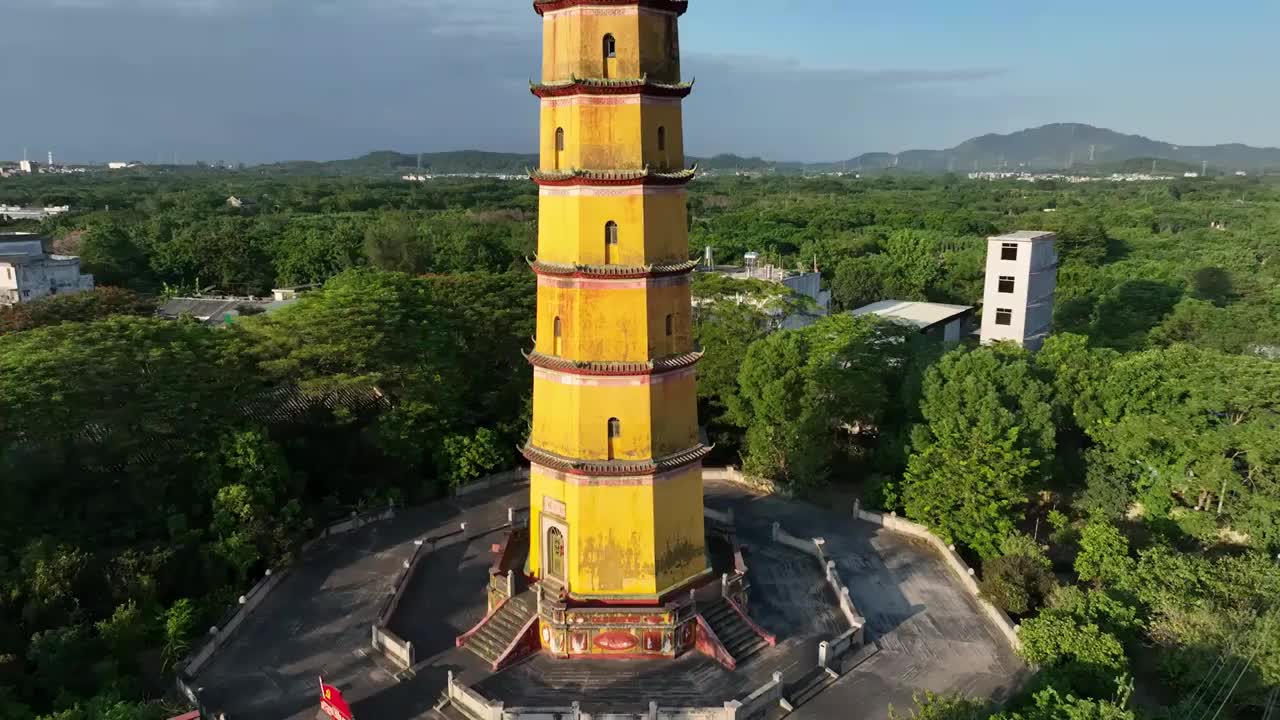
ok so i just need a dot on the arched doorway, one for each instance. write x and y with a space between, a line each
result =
555 553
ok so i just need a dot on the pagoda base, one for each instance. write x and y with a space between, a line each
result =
665 627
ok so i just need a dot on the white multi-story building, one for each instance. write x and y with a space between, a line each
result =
28 273
1022 275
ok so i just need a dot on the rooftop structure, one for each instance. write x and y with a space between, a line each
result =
223 310
1022 276
947 322
18 212
29 273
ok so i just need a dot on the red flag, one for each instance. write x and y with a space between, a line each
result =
333 704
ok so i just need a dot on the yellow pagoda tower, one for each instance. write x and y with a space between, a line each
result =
616 508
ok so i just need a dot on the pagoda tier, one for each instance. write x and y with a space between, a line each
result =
606 178
607 86
679 7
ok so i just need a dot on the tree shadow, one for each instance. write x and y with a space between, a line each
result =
1125 315
1118 250
1213 284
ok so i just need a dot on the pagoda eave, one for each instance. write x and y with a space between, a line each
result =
612 272
679 7
615 468
609 87
659 366
612 178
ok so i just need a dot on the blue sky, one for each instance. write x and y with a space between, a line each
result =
263 80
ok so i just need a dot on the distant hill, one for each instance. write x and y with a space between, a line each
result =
1051 147
387 162
1066 145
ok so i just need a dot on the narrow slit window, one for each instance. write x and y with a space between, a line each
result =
615 432
610 47
671 325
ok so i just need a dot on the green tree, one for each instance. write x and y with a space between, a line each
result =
803 392
471 457
109 253
859 281
393 244
931 706
1104 554
97 304
1050 704
1020 578
1083 240
179 630
987 436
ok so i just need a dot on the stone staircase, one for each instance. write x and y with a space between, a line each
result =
738 637
497 633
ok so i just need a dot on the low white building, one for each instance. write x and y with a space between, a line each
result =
18 212
949 323
28 273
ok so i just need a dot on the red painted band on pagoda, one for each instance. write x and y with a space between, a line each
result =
644 283
613 192
562 377
589 100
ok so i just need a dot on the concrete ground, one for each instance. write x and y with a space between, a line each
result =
925 631
317 620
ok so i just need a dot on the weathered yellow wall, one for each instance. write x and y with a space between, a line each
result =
678 528
633 540
614 325
656 420
573 45
652 228
618 136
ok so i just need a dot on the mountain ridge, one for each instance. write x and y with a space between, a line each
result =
1057 146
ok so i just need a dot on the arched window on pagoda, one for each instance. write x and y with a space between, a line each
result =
611 243
557 345
610 56
559 145
671 334
662 147
615 434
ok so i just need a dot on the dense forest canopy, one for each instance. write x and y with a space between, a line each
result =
1119 489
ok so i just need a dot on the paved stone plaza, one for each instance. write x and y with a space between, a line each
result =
923 630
